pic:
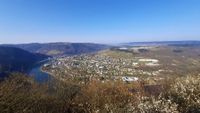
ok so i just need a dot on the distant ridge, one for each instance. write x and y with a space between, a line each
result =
60 48
169 43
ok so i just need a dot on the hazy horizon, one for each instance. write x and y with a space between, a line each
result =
98 21
105 43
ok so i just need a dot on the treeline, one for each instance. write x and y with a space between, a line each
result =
20 94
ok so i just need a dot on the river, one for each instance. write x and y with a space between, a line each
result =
39 75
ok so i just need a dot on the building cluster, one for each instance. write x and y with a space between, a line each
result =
86 67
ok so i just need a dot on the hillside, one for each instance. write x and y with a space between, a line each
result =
16 60
56 49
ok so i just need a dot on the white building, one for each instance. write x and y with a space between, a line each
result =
130 79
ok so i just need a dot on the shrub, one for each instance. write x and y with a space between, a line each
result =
105 98
186 93
20 94
155 105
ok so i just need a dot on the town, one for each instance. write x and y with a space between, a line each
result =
104 68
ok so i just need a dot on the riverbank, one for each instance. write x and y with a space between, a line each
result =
45 71
39 75
53 75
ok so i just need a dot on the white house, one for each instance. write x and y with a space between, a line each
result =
130 79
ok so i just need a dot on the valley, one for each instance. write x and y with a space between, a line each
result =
99 56
23 57
119 79
151 64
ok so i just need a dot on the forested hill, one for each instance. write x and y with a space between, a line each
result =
17 60
60 48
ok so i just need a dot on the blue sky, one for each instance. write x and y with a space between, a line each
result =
100 21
